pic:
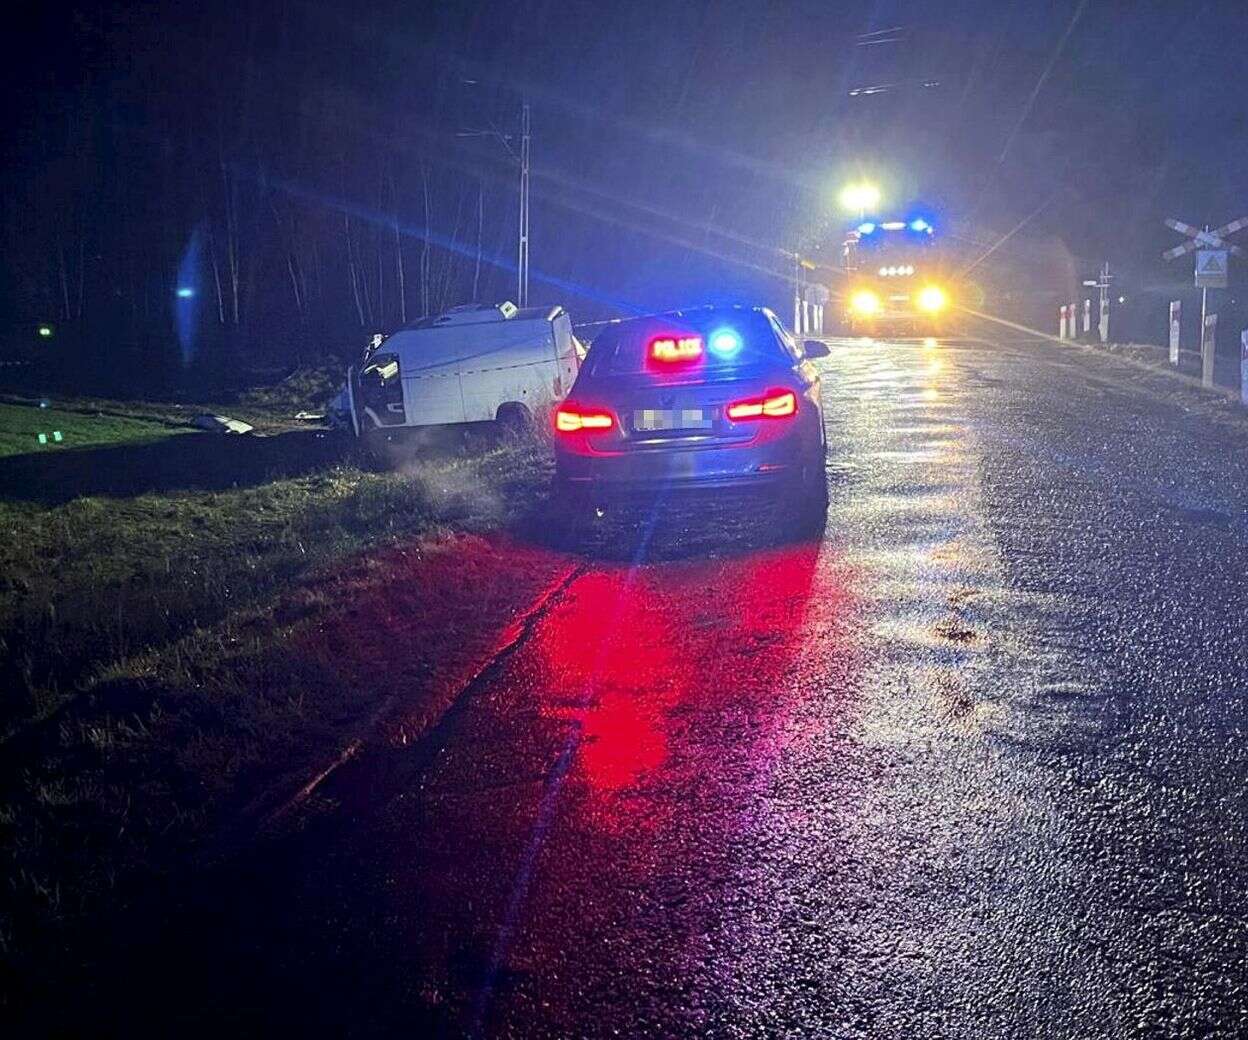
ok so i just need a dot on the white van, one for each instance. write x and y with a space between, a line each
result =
476 363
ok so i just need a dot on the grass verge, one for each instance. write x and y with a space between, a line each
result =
43 429
144 626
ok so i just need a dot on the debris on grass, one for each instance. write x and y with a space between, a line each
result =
222 424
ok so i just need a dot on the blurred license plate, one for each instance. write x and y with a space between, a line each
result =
653 419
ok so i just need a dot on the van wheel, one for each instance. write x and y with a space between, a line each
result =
515 421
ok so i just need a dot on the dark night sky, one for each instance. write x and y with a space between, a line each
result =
678 145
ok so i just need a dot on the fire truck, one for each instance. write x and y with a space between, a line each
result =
898 279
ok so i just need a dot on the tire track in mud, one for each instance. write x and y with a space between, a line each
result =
406 718
372 766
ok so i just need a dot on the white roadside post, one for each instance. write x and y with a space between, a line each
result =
797 294
801 289
1243 368
1102 327
1208 348
1175 315
817 295
1087 307
1061 322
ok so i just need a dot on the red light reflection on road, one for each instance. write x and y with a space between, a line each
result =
690 684
631 653
610 668
621 742
626 747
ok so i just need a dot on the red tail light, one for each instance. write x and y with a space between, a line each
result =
571 418
776 404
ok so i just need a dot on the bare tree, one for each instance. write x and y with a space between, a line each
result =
63 269
381 272
285 226
424 250
444 296
230 195
318 269
82 274
352 274
216 273
398 251
476 273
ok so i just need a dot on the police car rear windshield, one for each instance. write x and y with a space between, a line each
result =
707 344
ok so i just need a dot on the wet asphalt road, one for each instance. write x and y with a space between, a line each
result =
972 764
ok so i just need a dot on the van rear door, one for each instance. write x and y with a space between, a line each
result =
512 363
567 361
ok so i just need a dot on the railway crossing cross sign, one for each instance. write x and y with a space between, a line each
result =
1204 239
1212 250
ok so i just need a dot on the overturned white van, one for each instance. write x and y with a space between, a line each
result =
476 363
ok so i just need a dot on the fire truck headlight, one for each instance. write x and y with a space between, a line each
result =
864 302
932 299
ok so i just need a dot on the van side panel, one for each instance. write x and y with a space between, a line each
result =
465 372
511 362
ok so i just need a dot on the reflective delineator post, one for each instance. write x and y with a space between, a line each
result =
1208 348
797 294
1087 316
1102 327
1243 368
1175 315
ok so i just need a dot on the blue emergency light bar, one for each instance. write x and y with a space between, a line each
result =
918 225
